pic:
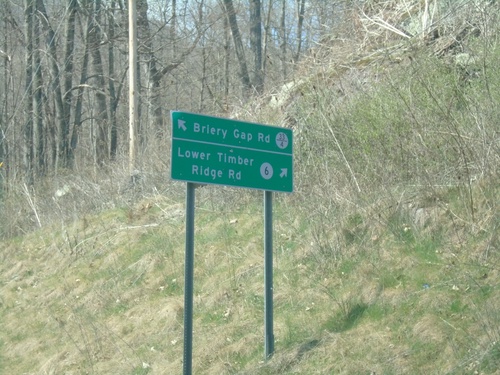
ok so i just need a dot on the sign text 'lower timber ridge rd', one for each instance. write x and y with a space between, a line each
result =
213 150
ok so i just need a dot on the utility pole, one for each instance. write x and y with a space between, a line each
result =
133 98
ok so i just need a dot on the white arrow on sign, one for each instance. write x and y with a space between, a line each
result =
284 172
180 124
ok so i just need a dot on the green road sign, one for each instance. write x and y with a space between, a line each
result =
212 150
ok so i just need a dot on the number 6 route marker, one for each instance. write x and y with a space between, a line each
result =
212 150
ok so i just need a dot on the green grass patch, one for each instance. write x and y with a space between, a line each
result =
157 242
378 311
346 318
347 266
2 367
490 361
457 306
143 369
390 278
425 249
354 230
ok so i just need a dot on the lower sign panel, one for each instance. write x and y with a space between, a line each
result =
210 163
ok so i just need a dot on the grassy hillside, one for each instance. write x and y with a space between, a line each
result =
386 256
388 289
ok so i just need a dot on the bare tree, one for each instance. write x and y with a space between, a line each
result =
113 93
28 93
4 105
38 133
283 42
133 86
238 44
69 47
155 112
101 118
78 110
61 125
300 23
267 32
227 57
155 74
256 44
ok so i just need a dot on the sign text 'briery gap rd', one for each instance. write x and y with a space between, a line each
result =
213 150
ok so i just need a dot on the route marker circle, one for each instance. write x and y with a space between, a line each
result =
266 171
281 140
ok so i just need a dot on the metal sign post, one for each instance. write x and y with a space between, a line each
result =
188 280
268 275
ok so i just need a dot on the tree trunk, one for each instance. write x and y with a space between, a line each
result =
113 99
4 152
267 32
256 44
155 75
173 40
3 156
28 124
300 22
38 133
61 125
77 122
64 141
227 58
155 111
238 45
102 120
133 86
283 43
203 85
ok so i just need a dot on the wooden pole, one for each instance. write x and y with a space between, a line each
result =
133 98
